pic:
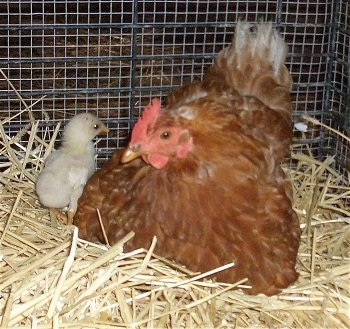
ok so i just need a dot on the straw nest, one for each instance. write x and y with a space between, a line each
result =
49 278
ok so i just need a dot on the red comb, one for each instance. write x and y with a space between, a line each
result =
148 118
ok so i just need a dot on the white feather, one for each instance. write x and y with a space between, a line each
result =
301 126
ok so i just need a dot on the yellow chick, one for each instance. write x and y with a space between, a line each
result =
66 171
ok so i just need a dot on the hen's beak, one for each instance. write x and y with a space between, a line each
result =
131 153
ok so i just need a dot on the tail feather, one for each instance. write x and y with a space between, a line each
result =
253 65
263 42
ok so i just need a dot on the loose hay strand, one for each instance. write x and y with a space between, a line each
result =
31 116
318 123
68 264
7 311
10 217
102 227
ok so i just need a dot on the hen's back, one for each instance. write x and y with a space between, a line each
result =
253 69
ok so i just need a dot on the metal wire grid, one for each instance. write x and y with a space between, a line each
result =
110 57
339 96
75 55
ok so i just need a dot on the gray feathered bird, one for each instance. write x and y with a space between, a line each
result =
61 182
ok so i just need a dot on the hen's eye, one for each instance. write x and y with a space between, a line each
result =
165 135
96 127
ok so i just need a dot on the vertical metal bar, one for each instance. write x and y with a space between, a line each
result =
330 71
278 14
347 104
134 28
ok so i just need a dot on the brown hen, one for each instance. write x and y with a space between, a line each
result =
205 176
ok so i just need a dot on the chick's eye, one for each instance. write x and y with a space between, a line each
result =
165 135
96 126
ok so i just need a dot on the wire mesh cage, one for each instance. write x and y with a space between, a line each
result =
110 57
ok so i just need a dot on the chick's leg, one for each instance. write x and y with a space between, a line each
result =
58 215
70 216
73 205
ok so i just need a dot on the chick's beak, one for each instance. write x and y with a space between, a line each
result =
104 130
131 153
